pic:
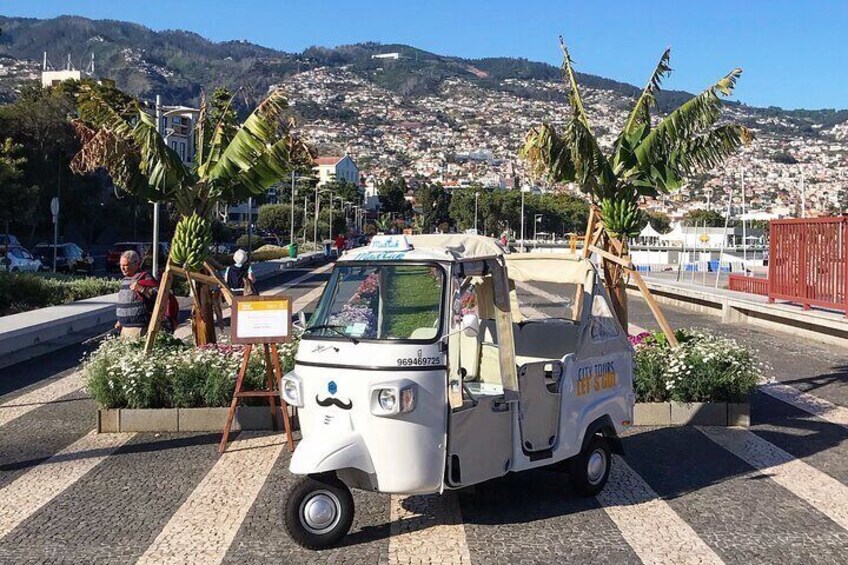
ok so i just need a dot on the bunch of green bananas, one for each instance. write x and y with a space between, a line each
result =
621 217
192 238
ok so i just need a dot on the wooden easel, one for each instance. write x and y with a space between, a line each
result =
271 355
596 234
210 277
273 370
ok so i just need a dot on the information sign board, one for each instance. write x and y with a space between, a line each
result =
261 319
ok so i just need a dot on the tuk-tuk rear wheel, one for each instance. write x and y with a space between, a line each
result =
318 511
590 468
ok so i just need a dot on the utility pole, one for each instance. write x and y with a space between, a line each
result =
291 226
315 234
249 228
156 204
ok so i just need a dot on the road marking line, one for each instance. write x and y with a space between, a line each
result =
37 398
820 490
44 482
203 528
814 405
648 524
427 529
298 280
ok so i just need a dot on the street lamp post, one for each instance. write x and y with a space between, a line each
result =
291 226
476 198
522 220
315 223
156 204
536 219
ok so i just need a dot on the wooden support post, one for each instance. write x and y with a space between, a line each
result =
590 232
655 309
234 403
159 307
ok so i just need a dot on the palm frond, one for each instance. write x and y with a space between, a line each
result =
576 101
641 113
707 151
164 169
546 153
688 121
252 139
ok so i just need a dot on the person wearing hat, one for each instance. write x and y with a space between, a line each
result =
239 277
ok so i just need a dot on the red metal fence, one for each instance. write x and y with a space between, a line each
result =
808 262
751 285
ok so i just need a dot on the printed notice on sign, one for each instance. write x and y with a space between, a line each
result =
263 319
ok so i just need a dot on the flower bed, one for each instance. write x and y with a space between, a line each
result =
174 375
21 292
704 368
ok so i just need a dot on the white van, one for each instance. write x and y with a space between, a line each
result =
421 371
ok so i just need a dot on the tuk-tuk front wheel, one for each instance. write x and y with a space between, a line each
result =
591 467
318 511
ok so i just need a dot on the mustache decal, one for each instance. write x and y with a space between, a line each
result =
330 401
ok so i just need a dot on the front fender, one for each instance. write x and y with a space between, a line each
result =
322 454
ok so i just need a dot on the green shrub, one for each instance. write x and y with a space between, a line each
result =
21 292
246 241
175 375
704 368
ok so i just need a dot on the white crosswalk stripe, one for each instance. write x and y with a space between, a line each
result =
427 529
41 484
648 524
203 528
820 490
37 398
807 402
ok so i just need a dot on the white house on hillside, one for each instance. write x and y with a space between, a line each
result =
336 168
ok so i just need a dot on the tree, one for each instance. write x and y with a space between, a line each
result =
16 200
392 195
708 218
646 159
434 202
659 221
232 163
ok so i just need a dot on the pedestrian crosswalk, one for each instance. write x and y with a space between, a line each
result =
207 519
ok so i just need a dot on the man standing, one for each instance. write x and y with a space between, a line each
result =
135 299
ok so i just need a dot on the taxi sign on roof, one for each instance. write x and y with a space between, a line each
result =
390 243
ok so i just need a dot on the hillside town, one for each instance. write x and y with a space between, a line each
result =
468 135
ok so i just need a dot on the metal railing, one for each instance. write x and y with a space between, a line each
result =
808 262
751 285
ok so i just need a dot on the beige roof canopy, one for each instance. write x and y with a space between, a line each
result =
563 268
461 246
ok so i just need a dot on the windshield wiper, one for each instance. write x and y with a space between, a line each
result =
334 328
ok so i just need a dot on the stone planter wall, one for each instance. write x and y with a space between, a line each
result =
694 414
185 419
259 417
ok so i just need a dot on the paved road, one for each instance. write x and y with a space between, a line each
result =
774 493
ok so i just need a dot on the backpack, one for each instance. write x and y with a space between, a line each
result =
172 307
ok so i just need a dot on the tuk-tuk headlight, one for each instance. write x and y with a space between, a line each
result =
393 399
387 399
292 392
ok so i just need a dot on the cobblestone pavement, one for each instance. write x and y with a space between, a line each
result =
774 493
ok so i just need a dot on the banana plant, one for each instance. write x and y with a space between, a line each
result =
649 156
232 162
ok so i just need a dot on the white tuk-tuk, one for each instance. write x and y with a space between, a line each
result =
422 370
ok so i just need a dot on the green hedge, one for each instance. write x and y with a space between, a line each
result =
175 375
21 292
704 368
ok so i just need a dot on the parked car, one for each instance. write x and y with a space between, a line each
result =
144 250
13 241
70 258
16 259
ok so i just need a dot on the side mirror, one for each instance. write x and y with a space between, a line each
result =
301 317
470 325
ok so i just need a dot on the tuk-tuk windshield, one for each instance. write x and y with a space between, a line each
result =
380 302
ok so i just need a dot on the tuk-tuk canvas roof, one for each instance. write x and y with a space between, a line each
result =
563 268
461 246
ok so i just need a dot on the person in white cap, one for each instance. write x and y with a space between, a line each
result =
240 276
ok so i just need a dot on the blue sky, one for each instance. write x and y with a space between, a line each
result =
792 51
